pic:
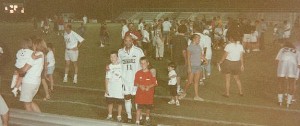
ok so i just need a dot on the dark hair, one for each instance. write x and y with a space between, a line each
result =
197 28
193 36
144 58
50 45
172 64
69 26
182 29
113 52
27 42
288 44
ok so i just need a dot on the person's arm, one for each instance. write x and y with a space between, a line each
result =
106 86
24 69
223 57
154 83
137 83
242 61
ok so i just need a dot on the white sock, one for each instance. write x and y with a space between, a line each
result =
128 106
15 89
141 117
75 76
109 116
66 75
289 99
280 97
178 87
147 118
14 81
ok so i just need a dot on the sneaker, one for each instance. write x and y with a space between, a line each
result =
101 45
201 82
148 122
255 50
119 119
15 92
198 99
109 118
129 120
171 102
177 103
182 95
65 79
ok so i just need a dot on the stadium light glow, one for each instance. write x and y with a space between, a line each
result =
6 8
11 11
11 6
15 7
22 11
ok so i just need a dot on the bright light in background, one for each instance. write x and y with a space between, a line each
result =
11 11
6 8
22 11
11 6
15 7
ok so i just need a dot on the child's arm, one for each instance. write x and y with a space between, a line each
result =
142 87
106 86
33 56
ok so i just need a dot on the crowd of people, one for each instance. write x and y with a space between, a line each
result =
130 78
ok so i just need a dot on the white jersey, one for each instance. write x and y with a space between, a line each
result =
72 39
23 56
115 83
130 62
288 61
172 81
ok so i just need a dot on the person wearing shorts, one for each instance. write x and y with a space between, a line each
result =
4 112
172 84
194 61
232 63
287 71
73 42
129 57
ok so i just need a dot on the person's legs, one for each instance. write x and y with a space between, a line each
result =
280 90
227 84
190 80
46 89
5 119
67 67
28 106
208 67
50 76
138 114
239 84
110 108
291 83
75 71
128 107
148 114
196 83
119 110
35 107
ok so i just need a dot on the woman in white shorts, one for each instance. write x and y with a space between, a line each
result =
288 61
32 79
4 112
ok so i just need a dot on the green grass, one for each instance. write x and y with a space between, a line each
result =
259 83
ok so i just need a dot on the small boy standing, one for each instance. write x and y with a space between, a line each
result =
145 82
114 87
173 84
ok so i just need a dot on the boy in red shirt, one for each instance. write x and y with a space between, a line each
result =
145 82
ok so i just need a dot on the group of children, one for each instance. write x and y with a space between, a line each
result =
23 56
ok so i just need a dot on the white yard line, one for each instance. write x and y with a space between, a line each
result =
205 100
155 114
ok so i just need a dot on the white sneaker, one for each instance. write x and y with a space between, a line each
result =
198 99
101 45
75 81
201 82
172 102
65 79
177 103
15 92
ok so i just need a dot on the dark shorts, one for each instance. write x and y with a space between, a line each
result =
145 106
173 90
115 101
231 67
181 71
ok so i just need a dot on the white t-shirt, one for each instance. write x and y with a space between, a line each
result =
130 62
234 51
172 81
50 59
145 36
124 30
206 43
254 36
166 26
287 31
33 75
72 39
23 57
115 83
141 26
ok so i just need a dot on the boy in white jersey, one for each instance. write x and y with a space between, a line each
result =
114 86
129 57
173 84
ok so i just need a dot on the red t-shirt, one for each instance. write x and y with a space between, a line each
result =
146 79
135 33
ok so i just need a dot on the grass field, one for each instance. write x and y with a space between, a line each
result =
85 99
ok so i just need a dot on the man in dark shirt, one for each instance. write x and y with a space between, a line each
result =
179 46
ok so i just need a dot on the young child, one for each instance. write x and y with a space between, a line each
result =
114 86
145 82
23 56
50 63
173 84
288 61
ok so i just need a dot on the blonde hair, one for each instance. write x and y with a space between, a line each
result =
27 43
40 45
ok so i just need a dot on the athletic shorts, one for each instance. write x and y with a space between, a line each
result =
287 69
129 89
247 38
114 101
196 69
173 90
50 70
145 106
231 67
71 55
166 33
28 92
61 27
181 71
3 107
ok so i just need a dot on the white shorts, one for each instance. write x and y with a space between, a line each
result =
71 55
286 69
130 89
247 38
3 107
61 27
28 92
